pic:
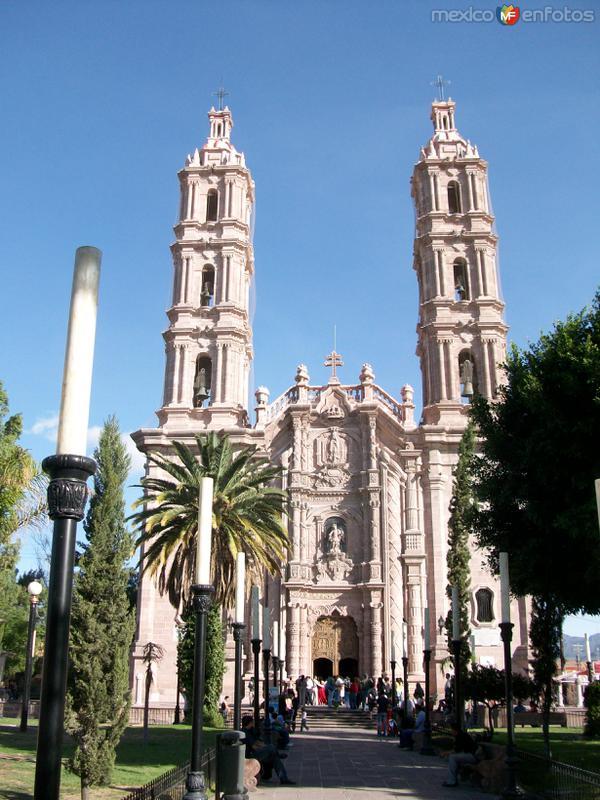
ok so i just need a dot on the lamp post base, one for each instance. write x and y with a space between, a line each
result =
427 748
195 787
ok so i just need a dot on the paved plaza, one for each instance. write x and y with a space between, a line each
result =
334 764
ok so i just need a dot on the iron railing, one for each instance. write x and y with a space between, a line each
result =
555 780
171 785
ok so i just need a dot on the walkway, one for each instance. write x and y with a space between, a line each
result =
352 764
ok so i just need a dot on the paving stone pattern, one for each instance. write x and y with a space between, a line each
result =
345 764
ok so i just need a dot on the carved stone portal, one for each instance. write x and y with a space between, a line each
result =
335 640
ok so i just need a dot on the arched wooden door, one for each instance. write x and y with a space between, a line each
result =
334 638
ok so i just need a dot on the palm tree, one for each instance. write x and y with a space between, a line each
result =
153 653
247 516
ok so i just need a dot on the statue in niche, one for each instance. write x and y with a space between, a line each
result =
333 447
335 538
205 295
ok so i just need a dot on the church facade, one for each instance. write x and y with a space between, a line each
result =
369 485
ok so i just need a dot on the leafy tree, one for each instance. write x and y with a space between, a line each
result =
247 516
535 479
592 703
102 621
485 684
458 556
22 504
214 664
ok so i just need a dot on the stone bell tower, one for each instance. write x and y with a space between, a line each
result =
461 331
209 339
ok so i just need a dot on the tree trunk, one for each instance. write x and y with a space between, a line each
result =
490 720
147 703
85 791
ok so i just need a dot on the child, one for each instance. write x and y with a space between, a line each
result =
303 720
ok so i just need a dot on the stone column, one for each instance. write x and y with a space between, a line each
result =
293 639
393 505
376 636
218 372
304 667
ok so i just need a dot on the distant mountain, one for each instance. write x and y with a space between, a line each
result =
574 645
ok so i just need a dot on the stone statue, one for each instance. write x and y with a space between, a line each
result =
335 537
333 448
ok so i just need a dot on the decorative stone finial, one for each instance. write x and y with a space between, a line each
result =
407 393
366 374
302 376
262 396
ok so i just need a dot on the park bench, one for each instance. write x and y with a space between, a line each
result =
535 718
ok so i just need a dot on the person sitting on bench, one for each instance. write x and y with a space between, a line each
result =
464 753
266 754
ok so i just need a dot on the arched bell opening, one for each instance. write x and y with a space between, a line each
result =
212 205
202 382
461 280
207 292
468 375
454 204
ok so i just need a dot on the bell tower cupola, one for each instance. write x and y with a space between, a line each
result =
209 339
461 330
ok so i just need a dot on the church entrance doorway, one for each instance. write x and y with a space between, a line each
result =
335 646
349 668
322 668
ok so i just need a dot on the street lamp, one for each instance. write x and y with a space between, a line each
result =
427 748
202 600
456 652
69 470
238 631
34 590
405 714
256 643
506 627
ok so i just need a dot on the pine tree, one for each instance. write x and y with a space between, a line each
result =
102 621
458 556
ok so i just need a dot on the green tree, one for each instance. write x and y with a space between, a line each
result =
22 504
486 684
102 621
535 479
214 664
592 703
458 556
247 516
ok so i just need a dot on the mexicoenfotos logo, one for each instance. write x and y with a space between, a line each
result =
508 15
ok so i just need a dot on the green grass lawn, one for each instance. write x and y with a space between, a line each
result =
168 746
568 745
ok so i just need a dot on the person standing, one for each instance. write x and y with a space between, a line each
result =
383 704
304 721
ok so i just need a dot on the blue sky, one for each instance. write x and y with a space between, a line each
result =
102 101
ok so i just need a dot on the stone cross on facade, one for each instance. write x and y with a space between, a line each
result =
334 360
441 84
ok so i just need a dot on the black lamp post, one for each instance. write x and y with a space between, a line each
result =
393 666
281 663
275 661
256 643
177 719
405 714
195 783
590 671
238 632
34 589
67 495
458 707
512 790
69 470
427 747
266 662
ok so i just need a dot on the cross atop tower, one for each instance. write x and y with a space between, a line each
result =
334 360
221 94
440 83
